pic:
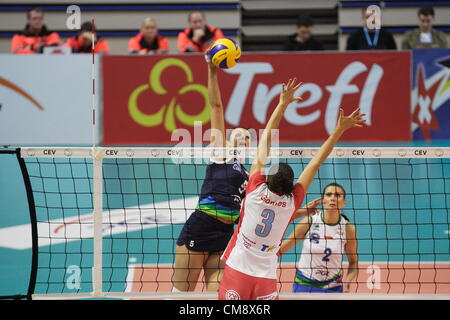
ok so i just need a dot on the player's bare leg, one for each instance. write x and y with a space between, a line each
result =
188 265
213 271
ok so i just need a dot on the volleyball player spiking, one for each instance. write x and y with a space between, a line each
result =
209 228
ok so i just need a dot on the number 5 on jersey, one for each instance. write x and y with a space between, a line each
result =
264 229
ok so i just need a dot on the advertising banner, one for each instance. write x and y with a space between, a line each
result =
148 100
47 100
430 103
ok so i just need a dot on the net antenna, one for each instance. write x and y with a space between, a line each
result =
94 123
398 199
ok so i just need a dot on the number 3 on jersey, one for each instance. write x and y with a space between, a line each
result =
264 230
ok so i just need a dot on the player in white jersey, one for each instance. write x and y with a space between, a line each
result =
326 235
270 204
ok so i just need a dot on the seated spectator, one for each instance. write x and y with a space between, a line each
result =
370 38
302 39
199 36
35 36
82 43
148 41
425 36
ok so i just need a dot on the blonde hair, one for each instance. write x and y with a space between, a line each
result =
147 20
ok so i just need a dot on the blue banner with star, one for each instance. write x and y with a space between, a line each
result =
430 98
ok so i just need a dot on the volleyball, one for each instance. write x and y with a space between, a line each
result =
225 53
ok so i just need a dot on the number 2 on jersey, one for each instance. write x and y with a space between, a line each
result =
264 230
328 253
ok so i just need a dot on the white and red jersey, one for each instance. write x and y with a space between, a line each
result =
264 219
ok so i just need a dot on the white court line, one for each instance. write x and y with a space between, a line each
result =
130 274
115 221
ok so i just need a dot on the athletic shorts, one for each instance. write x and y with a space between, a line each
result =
203 233
236 285
297 287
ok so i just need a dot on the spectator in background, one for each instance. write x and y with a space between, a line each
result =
303 40
148 41
82 43
199 36
35 36
370 38
424 36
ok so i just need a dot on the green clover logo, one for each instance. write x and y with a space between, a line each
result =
167 113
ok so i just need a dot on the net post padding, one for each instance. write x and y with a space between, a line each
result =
33 223
97 270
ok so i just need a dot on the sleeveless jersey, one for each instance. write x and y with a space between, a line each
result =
265 217
320 264
223 189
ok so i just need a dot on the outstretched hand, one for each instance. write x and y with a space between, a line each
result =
355 119
208 58
288 90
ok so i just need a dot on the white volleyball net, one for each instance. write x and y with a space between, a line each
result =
107 219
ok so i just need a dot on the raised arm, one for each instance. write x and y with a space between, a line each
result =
344 123
286 97
218 138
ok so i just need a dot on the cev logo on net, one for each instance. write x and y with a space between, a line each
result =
167 113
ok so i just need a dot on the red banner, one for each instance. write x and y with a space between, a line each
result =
146 99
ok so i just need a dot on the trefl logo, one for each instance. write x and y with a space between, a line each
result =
314 93
167 113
